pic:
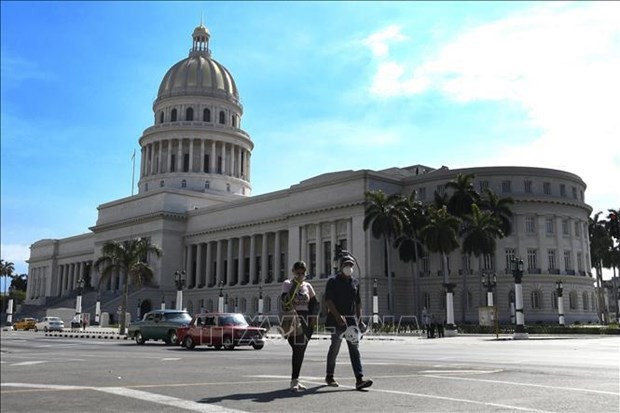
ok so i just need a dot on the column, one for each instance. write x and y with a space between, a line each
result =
179 163
160 158
276 257
303 247
209 266
142 162
349 236
188 265
229 261
202 156
191 155
223 158
61 277
199 268
218 262
232 160
319 249
169 161
241 260
252 258
213 158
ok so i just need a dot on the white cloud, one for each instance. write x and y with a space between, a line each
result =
379 43
560 62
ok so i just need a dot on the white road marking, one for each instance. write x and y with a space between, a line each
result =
135 394
29 363
171 359
427 372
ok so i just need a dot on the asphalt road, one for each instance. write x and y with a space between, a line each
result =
457 374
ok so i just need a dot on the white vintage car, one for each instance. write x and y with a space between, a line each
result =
49 324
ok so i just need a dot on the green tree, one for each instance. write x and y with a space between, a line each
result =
7 269
440 236
128 258
385 215
409 243
600 244
500 209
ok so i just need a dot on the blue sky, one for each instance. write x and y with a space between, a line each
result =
325 86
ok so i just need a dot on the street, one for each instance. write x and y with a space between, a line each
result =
457 374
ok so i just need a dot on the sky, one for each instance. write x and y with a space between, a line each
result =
325 86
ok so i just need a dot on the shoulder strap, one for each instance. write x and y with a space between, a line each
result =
297 287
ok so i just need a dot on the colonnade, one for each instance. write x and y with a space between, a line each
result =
205 156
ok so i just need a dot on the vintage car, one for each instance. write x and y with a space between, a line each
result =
25 324
50 324
158 325
219 330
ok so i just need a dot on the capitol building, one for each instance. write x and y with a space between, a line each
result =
194 202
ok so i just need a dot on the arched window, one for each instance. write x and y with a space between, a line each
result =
189 114
161 117
161 184
222 117
572 300
184 184
173 115
586 304
206 115
536 299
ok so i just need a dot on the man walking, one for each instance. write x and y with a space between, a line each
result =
342 297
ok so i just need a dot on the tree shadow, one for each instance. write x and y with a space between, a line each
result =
266 397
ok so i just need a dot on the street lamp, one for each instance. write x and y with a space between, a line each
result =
163 302
220 302
236 304
98 309
260 303
226 302
179 280
9 309
450 327
375 302
559 290
517 273
78 300
489 283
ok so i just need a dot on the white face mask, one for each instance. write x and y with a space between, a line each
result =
348 270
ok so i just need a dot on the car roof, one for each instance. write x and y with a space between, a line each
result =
167 311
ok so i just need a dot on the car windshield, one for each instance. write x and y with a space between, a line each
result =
178 317
53 319
232 320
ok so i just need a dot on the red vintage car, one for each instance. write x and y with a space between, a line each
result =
219 330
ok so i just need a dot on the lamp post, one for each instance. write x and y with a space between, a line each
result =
489 282
9 309
375 303
517 273
559 290
220 301
163 302
450 327
260 303
236 304
179 280
226 302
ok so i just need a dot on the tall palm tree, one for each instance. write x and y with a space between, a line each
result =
409 244
385 216
480 229
600 244
499 208
7 269
128 258
440 235
459 204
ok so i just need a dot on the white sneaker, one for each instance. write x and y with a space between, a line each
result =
301 387
297 386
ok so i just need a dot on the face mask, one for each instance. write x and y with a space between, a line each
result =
348 270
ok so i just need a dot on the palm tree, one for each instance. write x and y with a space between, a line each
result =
479 231
7 269
128 258
409 244
440 235
459 204
385 216
600 244
499 208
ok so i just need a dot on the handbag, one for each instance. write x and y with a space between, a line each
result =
290 324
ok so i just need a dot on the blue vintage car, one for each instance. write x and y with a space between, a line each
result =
159 325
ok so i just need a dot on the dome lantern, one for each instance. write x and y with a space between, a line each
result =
200 45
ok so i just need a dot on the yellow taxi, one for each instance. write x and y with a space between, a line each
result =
25 324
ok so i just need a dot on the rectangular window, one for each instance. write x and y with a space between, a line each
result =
562 190
426 266
530 224
577 230
206 163
579 261
269 268
574 193
527 186
568 260
466 263
258 270
551 255
483 185
547 188
550 225
327 259
565 227
532 259
186 162
510 255
506 186
312 252
488 262
421 194
172 163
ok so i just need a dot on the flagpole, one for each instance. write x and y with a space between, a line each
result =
133 170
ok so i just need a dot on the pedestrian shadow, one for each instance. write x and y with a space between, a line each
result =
264 397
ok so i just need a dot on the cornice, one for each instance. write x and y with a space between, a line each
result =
175 216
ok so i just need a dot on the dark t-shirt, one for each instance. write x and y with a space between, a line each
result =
344 292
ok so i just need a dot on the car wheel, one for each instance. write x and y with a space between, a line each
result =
172 338
217 347
189 343
45 329
257 346
36 330
139 338
228 343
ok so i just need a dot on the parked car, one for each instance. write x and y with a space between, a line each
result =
25 324
219 330
159 325
49 324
